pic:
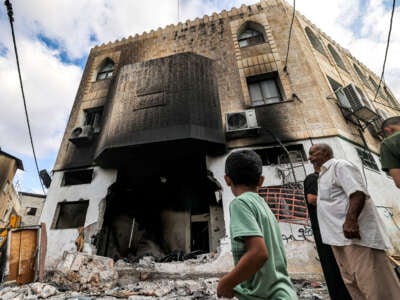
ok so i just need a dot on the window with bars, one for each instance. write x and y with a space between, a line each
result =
287 204
367 159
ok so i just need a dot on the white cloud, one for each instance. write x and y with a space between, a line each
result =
49 87
362 28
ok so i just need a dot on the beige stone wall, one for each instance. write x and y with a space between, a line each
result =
8 168
308 109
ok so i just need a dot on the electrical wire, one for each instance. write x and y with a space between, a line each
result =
386 51
11 18
179 15
290 35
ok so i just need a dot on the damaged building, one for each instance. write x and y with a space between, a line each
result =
141 165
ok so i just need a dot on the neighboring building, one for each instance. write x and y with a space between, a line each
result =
31 207
141 164
9 200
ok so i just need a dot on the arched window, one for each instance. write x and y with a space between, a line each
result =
315 42
251 34
391 98
361 75
375 87
336 57
106 71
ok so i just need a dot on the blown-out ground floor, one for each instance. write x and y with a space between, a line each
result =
179 209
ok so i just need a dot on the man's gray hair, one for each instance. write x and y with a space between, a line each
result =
390 121
326 148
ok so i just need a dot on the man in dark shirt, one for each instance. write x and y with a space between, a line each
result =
390 148
337 289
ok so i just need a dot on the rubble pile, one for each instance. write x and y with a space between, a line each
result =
201 289
79 271
81 276
28 292
313 290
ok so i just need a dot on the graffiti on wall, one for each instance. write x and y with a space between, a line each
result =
304 233
388 213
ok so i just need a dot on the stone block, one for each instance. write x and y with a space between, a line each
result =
80 271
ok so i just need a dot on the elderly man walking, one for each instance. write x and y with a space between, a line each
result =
349 222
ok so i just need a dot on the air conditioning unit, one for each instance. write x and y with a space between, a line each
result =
242 123
353 105
82 135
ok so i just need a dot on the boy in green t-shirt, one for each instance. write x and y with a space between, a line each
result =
260 270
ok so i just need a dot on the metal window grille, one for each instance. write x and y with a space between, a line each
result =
287 204
367 159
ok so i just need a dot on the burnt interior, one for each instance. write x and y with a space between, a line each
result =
167 209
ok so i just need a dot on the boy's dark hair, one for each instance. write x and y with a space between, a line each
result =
244 167
390 121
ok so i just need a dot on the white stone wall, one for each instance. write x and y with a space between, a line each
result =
60 240
301 254
28 201
300 248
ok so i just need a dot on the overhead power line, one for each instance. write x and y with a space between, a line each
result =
387 48
290 35
11 18
179 13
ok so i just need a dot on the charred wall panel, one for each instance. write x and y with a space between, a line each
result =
170 99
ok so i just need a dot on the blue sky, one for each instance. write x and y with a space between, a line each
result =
55 37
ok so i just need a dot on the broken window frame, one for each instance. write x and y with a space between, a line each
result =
31 211
69 180
78 216
272 158
93 118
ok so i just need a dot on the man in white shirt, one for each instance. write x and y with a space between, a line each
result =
349 222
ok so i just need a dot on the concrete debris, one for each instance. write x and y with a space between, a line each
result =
43 290
82 276
311 290
80 271
200 289
28 292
